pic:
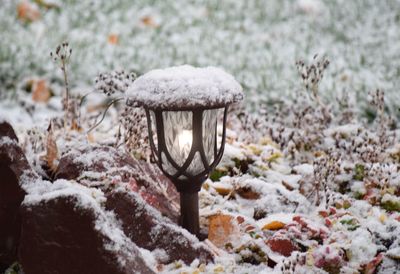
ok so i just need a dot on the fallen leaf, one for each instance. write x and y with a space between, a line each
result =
372 265
240 219
323 213
149 21
40 91
287 185
274 225
90 138
113 39
282 245
222 228
248 193
222 189
27 12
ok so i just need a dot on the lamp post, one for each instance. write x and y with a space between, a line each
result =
183 106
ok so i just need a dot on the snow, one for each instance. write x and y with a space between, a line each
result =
394 253
5 140
361 248
304 169
390 198
358 187
184 86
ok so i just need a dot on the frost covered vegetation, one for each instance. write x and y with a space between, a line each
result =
255 41
309 182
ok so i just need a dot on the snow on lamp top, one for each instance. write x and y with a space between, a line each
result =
184 87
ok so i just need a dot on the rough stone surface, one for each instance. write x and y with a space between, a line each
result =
109 166
7 130
58 236
144 226
45 228
12 165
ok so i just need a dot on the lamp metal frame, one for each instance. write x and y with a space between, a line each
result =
189 186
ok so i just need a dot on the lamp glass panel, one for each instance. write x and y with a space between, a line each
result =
153 131
178 137
209 133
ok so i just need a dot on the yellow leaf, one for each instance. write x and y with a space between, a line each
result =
222 189
382 217
275 156
218 269
254 149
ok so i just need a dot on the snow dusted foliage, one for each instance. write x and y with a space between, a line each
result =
114 82
309 182
184 86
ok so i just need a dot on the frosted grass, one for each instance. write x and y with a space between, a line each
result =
256 41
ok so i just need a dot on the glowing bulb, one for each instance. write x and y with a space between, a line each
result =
185 139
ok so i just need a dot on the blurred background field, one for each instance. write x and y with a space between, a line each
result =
257 41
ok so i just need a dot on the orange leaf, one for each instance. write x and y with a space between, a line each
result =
222 189
113 39
40 91
221 229
149 21
274 225
248 193
27 12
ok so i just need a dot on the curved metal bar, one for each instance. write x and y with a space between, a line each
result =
198 120
204 174
196 139
162 147
221 150
150 132
216 138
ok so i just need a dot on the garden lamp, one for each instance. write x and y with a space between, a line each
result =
184 106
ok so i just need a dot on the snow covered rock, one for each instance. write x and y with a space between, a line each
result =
66 230
102 166
12 166
184 86
7 130
148 229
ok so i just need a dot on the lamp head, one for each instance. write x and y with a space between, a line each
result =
184 107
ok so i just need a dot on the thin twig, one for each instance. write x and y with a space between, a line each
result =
66 96
104 114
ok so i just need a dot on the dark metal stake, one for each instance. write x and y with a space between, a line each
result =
190 212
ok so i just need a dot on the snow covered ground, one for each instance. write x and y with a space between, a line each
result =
311 184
